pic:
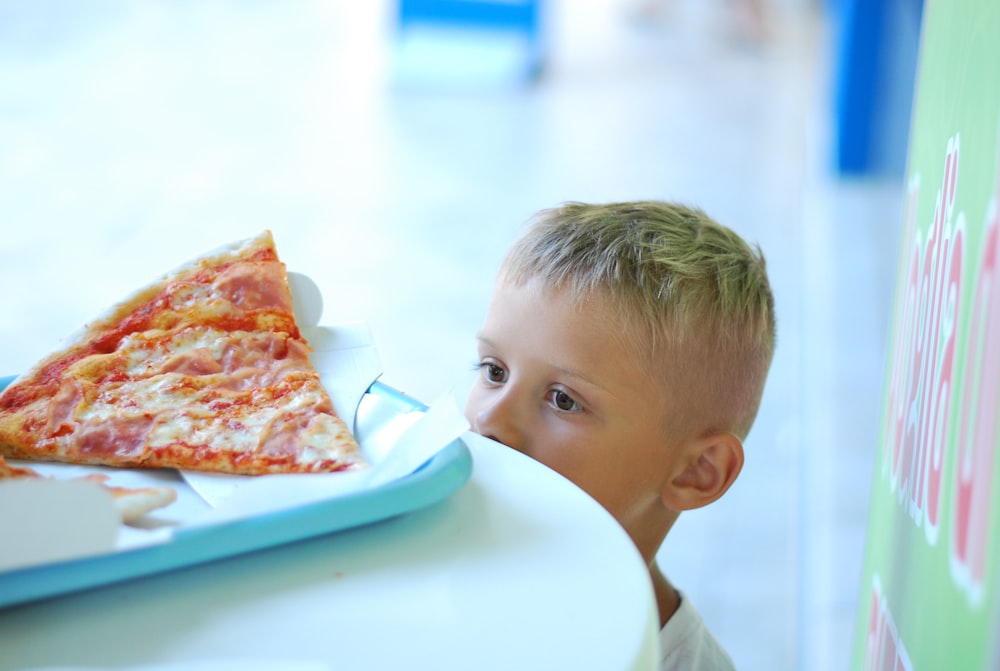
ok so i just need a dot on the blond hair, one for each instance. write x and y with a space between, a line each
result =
693 296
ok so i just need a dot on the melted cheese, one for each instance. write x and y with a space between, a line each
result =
210 370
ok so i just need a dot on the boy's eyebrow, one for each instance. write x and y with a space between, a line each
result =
580 376
563 369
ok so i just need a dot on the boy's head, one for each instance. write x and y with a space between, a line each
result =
691 298
627 346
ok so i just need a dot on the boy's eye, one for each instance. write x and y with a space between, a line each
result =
493 372
564 401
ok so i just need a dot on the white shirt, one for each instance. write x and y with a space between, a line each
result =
686 644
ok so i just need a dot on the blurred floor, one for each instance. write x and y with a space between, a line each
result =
134 135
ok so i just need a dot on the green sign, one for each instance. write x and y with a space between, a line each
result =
929 594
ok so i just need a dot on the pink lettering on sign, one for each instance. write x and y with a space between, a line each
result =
884 649
920 389
972 489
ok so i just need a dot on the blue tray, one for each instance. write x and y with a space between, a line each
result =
436 480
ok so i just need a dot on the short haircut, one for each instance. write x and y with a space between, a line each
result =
693 297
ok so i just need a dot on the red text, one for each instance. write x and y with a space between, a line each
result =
884 649
922 373
977 424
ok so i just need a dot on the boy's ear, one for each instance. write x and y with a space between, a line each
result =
710 466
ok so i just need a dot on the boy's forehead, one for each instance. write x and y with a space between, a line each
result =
593 309
583 333
550 304
546 291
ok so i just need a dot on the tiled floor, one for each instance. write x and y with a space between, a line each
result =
135 135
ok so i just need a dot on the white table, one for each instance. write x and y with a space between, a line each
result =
517 570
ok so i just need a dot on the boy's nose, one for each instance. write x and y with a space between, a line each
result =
495 418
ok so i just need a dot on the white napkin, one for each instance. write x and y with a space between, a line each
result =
42 531
413 441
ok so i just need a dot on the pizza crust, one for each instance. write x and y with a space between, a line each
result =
83 335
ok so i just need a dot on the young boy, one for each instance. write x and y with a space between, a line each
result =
626 346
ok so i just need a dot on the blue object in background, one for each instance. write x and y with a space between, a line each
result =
876 60
470 41
522 15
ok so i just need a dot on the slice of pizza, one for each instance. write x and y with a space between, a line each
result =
205 370
131 502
